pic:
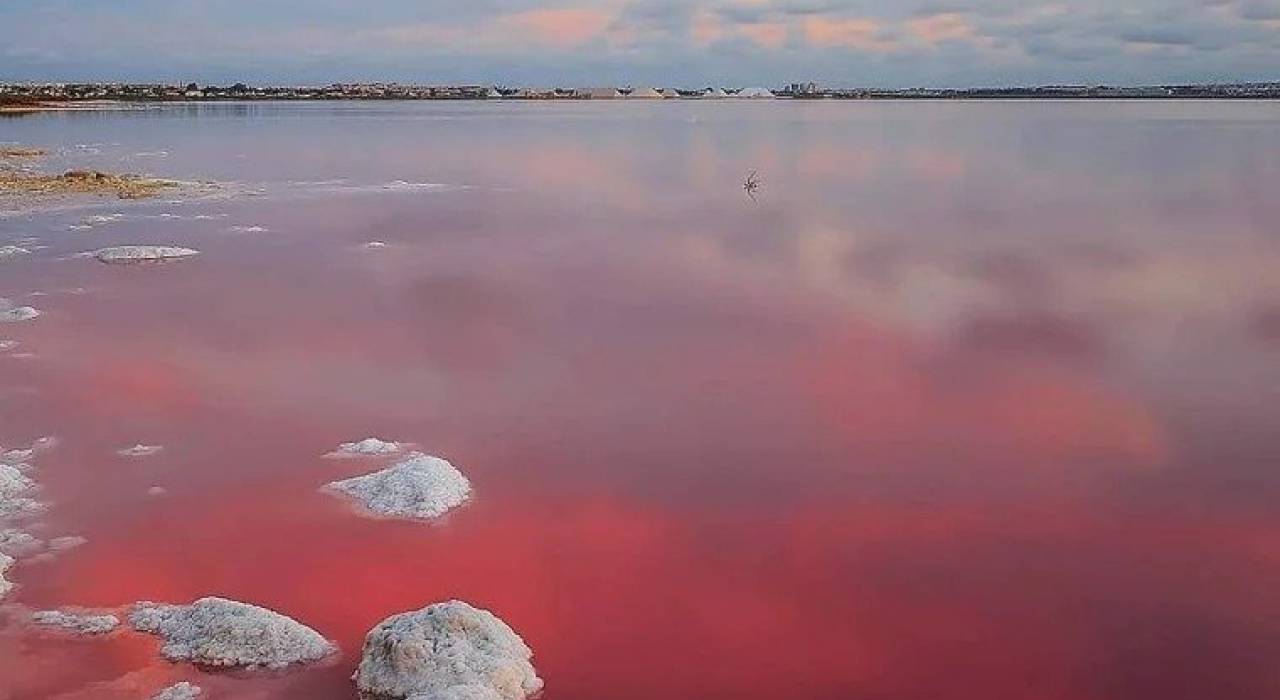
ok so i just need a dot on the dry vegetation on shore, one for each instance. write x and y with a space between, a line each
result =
21 181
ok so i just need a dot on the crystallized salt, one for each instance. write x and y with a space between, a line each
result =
418 487
9 313
367 447
178 691
448 650
142 253
139 450
72 622
220 632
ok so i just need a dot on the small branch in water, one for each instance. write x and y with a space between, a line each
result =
751 184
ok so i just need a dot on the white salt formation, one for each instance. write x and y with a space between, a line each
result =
179 691
139 450
14 486
445 651
10 313
419 487
79 624
142 253
18 543
6 561
10 251
16 456
157 491
368 447
7 345
220 632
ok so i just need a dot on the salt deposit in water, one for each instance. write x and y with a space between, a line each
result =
7 345
178 691
77 623
6 561
10 251
142 253
139 450
447 650
418 487
12 313
157 491
368 447
221 632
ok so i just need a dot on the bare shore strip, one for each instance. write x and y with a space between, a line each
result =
18 180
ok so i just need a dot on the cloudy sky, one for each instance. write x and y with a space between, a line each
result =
664 42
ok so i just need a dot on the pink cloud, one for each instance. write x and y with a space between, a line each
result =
853 33
770 35
562 27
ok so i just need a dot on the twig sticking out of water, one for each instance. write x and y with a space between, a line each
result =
751 184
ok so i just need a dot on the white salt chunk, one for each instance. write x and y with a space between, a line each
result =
72 622
367 447
220 632
418 487
448 651
142 253
178 691
139 450
6 561
10 313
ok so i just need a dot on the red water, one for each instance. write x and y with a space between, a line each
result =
975 402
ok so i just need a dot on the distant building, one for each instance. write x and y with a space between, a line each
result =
602 93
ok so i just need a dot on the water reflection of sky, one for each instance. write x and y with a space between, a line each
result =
976 401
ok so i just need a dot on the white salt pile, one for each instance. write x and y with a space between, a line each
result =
142 253
220 632
72 622
178 691
418 487
447 650
16 456
11 313
139 450
9 251
6 561
14 487
18 543
375 244
368 447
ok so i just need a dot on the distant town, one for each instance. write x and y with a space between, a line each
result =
46 94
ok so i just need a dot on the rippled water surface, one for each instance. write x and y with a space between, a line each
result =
973 401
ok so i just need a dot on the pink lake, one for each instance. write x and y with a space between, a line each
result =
973 401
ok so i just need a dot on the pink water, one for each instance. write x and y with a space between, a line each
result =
975 401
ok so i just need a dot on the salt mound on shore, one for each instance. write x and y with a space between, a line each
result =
142 253
446 651
419 487
368 447
221 632
179 691
80 624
